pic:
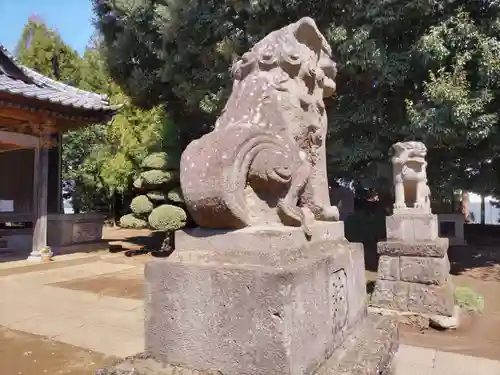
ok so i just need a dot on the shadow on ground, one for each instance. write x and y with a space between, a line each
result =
134 245
478 261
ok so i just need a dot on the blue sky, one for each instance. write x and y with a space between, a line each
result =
71 18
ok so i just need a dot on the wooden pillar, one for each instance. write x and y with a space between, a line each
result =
40 189
54 199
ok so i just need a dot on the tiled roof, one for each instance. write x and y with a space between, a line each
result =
16 79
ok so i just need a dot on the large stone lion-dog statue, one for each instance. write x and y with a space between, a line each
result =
264 162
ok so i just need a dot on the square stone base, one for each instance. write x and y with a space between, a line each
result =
243 313
414 297
369 350
414 277
422 270
412 227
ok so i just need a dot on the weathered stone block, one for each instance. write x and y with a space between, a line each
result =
369 350
241 316
424 270
390 295
412 227
437 248
431 299
388 268
267 238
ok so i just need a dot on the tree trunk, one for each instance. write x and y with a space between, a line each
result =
465 205
117 201
168 243
483 209
76 206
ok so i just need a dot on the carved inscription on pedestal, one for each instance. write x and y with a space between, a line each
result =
86 232
338 296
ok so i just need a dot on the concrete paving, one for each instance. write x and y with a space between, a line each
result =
114 326
412 360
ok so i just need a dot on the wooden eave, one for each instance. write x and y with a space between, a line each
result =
18 111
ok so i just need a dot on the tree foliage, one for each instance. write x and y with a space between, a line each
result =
43 50
100 160
423 70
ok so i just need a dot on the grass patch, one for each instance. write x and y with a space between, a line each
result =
467 299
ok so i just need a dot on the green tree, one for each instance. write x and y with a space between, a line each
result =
99 161
43 50
115 159
425 70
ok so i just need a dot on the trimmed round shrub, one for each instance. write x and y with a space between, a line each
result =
167 218
157 196
175 196
141 205
156 177
129 221
160 160
138 183
156 160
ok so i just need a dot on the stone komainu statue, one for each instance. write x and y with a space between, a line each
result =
410 175
264 163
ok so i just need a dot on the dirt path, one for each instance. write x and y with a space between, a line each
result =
25 354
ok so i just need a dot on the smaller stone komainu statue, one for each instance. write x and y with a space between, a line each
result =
410 175
264 163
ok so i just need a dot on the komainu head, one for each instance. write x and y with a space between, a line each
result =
280 85
412 149
296 51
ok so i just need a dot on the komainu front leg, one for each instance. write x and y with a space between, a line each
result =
422 192
326 213
399 192
318 202
288 211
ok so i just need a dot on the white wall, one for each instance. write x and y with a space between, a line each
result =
491 213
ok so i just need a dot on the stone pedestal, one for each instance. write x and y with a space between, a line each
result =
414 270
268 302
69 233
